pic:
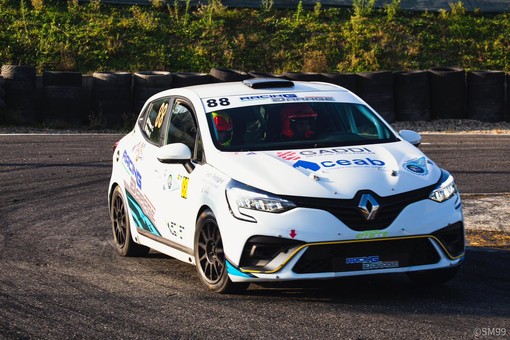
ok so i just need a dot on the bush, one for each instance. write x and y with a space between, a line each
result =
93 36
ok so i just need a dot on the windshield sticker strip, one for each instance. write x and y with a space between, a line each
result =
220 103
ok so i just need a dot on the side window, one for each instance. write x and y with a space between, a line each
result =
156 112
182 127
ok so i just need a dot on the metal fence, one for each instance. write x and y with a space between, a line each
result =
494 6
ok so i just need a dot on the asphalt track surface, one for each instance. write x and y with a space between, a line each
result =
61 278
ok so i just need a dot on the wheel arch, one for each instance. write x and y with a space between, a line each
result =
112 188
203 208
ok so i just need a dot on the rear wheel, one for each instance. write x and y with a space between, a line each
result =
121 228
210 257
433 277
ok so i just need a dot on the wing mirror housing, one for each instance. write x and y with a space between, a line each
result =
176 153
410 136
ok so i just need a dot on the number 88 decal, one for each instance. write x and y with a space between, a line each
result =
216 102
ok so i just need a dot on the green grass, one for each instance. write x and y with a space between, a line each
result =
67 35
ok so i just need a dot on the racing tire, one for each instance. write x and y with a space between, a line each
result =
112 97
412 96
122 238
447 92
19 72
62 79
376 88
433 277
486 95
20 93
346 80
226 74
210 258
183 79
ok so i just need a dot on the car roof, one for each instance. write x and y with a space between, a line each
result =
246 87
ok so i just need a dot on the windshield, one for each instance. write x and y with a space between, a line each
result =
296 125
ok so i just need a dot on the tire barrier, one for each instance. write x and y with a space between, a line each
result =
147 84
20 94
412 96
376 88
346 80
447 92
108 98
111 97
486 95
191 78
227 74
63 98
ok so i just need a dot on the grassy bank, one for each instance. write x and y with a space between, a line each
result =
67 35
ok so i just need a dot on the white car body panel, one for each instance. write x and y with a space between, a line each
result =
166 199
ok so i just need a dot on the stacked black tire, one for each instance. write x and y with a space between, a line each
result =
486 95
107 99
63 99
20 94
147 84
346 80
111 99
182 79
222 74
448 92
376 88
412 96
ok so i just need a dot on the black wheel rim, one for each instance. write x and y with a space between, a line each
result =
119 221
210 253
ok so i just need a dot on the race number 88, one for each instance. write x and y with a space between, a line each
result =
220 101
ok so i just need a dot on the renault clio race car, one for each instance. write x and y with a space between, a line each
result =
272 180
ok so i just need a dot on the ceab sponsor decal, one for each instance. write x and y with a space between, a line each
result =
346 162
340 164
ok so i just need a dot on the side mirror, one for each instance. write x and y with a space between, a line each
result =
177 153
411 137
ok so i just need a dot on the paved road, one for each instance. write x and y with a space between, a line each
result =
479 163
61 278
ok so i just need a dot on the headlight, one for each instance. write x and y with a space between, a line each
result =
242 198
445 189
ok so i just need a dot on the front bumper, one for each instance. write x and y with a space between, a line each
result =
272 258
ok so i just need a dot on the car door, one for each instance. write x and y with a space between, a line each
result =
174 206
143 154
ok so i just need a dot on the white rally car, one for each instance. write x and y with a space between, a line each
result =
272 180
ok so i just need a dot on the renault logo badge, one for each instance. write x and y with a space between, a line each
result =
368 207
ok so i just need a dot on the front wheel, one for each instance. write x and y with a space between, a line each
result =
210 257
121 228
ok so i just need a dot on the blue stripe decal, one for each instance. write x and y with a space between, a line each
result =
141 220
236 272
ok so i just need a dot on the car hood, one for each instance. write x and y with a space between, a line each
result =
338 172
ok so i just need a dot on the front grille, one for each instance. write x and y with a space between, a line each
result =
347 211
366 255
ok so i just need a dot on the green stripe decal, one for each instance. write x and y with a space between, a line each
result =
141 220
